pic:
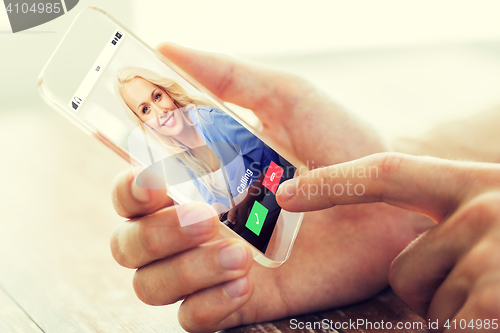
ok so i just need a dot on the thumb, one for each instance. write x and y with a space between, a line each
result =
431 186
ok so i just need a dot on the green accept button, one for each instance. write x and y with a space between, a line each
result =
256 219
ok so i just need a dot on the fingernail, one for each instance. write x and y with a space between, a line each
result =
237 288
197 221
233 256
287 190
140 194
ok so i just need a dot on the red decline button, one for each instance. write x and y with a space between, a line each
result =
273 177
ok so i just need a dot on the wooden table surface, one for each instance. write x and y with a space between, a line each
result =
56 269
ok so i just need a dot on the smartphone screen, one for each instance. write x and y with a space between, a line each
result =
179 140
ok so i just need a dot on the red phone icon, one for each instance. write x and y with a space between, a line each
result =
273 177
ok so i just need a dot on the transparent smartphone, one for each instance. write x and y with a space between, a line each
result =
174 132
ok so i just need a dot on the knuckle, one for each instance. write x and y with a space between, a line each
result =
481 213
389 163
183 270
480 261
150 240
151 289
490 206
142 291
138 286
194 321
117 250
486 300
481 253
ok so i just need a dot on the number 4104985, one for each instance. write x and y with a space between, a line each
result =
36 8
478 324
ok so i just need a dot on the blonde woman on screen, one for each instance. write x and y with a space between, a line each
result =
184 122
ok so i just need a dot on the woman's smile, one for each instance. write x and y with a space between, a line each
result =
169 119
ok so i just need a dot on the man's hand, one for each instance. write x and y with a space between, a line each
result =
452 271
340 256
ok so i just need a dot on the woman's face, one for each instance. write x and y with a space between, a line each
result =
153 106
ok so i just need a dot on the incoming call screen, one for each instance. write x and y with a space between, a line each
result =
147 109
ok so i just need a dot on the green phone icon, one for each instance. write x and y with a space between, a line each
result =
257 217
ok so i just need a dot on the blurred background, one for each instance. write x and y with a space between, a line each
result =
399 64
403 66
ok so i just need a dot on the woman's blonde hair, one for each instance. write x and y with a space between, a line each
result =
181 99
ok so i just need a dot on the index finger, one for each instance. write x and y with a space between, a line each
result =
431 186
